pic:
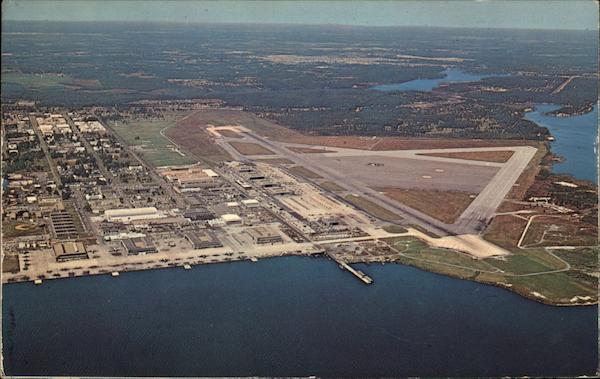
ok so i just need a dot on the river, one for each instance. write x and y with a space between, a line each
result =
451 75
575 140
289 316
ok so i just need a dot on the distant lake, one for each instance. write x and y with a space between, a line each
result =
292 316
426 85
576 138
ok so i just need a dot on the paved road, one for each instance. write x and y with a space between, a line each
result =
46 151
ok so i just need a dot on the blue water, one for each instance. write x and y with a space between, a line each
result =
289 316
576 138
426 85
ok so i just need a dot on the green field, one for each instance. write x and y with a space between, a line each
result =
419 250
20 229
144 135
36 80
556 287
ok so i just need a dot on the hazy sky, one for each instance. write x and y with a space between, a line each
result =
546 14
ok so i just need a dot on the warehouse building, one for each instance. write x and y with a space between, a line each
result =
69 251
203 239
132 214
231 219
139 245
265 235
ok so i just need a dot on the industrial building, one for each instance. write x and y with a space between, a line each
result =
132 214
265 235
139 245
68 251
250 203
231 218
203 239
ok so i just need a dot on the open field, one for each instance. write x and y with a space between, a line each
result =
554 230
304 172
145 138
19 229
445 206
372 208
505 230
248 148
485 156
532 273
416 248
36 80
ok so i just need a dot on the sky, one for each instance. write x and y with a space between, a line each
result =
526 14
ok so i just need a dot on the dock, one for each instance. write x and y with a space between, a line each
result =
345 266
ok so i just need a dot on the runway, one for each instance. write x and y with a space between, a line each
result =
492 180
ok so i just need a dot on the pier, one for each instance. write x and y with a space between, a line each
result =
345 266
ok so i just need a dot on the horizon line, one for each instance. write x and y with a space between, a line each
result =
299 24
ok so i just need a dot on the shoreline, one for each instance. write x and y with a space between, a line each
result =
173 264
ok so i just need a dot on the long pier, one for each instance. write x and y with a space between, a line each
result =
345 266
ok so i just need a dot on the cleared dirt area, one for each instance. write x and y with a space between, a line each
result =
372 208
249 148
485 156
304 172
445 206
505 231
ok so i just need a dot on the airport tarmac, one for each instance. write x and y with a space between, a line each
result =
492 180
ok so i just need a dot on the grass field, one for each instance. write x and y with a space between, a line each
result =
249 148
554 287
36 80
304 172
558 231
145 137
372 208
445 206
486 156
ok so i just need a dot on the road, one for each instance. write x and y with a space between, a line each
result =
46 151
